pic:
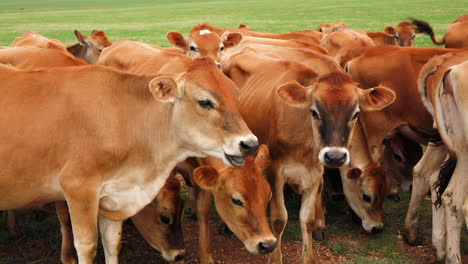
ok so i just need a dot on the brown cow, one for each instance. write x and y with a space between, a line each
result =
304 123
204 41
110 138
404 34
288 43
30 38
345 44
456 35
241 198
328 28
30 58
382 38
380 65
444 90
89 48
159 223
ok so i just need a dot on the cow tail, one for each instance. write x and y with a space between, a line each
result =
424 27
445 174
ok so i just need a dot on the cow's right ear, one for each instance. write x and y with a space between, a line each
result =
353 173
294 94
177 40
82 38
205 177
164 89
390 30
231 39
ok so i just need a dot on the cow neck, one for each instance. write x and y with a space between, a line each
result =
361 155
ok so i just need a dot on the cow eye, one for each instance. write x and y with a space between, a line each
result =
221 48
397 36
355 116
397 157
165 219
193 48
314 114
237 202
413 36
205 103
366 198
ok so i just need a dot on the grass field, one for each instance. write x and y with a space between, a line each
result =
150 20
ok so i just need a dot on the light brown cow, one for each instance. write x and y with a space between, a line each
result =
159 223
204 41
30 58
444 90
328 28
241 198
456 35
106 128
288 43
397 69
30 38
404 34
382 38
346 44
306 121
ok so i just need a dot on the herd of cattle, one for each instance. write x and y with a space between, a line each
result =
104 142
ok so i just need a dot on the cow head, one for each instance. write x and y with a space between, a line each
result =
335 103
160 222
90 48
404 34
205 112
329 28
204 41
241 198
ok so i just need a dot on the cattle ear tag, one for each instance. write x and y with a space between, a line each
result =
262 159
205 177
293 94
375 99
354 173
164 89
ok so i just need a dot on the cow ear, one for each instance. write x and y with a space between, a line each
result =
390 30
294 94
205 177
82 38
262 161
177 40
353 173
164 89
375 99
231 39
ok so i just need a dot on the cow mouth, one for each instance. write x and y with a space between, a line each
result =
235 161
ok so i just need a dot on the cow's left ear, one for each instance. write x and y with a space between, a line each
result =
262 160
164 89
231 39
375 99
82 38
390 30
353 173
294 94
205 177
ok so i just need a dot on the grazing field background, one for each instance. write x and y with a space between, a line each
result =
149 21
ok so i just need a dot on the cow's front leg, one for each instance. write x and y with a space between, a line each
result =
68 252
111 235
203 205
278 215
453 199
307 219
428 165
320 232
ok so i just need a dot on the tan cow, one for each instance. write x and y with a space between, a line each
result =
306 121
404 34
30 58
444 90
241 198
345 44
204 41
456 35
111 131
89 48
328 28
382 38
288 43
30 38
159 223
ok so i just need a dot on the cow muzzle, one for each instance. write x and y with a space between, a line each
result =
260 245
242 146
334 157
174 255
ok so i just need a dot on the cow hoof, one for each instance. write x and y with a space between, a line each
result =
224 230
411 242
321 234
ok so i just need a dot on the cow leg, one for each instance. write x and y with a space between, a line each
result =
278 215
203 204
453 199
12 228
320 232
429 163
465 211
111 234
68 253
307 219
438 223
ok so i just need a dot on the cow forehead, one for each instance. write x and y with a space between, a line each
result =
205 41
247 180
331 96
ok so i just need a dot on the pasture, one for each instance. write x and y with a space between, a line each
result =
149 21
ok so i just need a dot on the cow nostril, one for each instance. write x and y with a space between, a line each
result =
377 229
336 157
248 147
180 257
264 248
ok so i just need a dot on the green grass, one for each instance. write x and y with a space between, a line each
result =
149 20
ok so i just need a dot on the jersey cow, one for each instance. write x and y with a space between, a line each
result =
298 147
122 135
444 91
456 35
